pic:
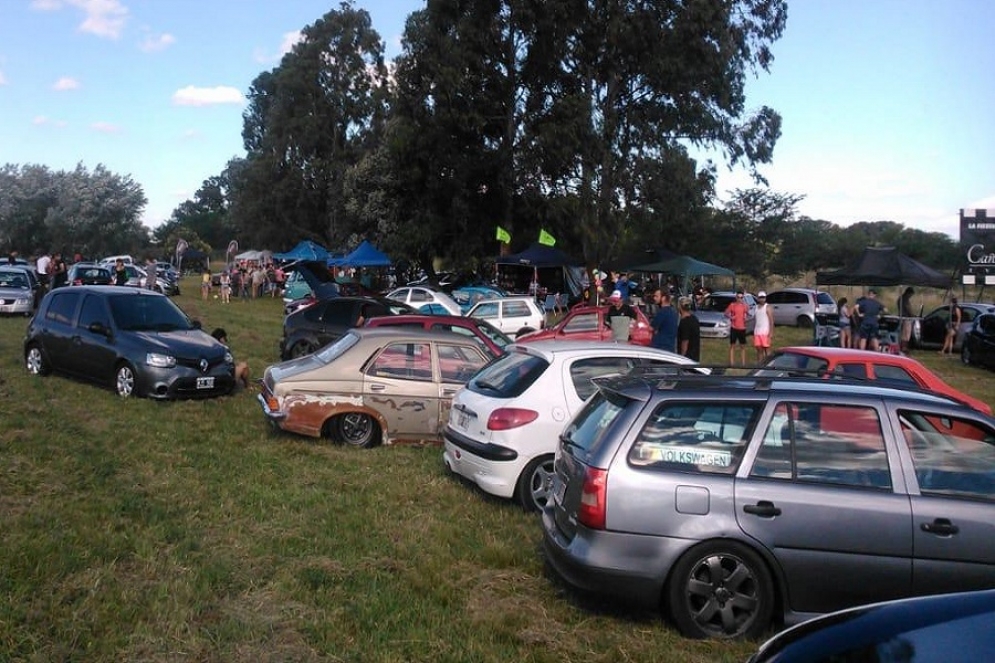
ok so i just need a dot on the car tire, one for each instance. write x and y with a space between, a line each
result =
35 362
301 348
804 322
965 354
721 589
535 483
125 381
356 429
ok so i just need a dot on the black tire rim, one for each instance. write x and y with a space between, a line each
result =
722 593
356 429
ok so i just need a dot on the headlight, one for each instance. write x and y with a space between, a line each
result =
160 361
24 300
229 359
722 323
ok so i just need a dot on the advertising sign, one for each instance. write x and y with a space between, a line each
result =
977 237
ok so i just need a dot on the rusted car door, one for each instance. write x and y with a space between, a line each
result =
457 364
402 386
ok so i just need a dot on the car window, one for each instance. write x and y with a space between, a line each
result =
488 310
419 295
516 310
952 457
987 324
586 431
509 375
701 437
582 322
458 363
62 306
132 312
968 314
825 299
824 443
338 312
776 298
851 370
582 371
490 331
93 311
895 374
795 298
790 361
13 280
405 361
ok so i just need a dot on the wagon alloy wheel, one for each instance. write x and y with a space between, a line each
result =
124 381
301 349
721 590
358 430
35 361
535 484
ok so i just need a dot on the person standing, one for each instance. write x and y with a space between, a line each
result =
737 312
619 309
664 323
905 318
843 310
225 287
150 273
205 284
58 271
953 324
763 330
41 268
688 331
120 272
868 310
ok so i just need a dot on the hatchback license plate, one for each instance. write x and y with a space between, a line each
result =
462 419
205 383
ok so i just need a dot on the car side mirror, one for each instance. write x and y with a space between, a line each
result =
195 324
99 328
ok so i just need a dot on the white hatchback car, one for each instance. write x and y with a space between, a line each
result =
426 299
504 425
513 315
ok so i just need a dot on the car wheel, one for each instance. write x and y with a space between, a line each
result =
357 430
721 590
124 381
965 354
804 322
535 484
301 349
35 362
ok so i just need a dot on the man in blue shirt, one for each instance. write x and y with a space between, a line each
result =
664 322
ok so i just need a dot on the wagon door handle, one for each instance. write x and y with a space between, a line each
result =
377 387
940 526
763 508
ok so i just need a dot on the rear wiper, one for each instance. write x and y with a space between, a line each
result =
484 384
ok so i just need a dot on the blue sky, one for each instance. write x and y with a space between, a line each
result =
888 105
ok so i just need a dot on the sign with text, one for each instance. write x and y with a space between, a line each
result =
977 238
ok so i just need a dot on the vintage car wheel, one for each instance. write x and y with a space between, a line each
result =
124 381
301 349
721 589
35 361
535 484
356 429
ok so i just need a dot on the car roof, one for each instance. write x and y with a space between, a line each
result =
843 354
809 290
551 347
110 290
413 334
424 317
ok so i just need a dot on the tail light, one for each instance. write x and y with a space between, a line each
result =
593 497
506 418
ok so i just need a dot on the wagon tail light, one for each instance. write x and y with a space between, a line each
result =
506 418
593 497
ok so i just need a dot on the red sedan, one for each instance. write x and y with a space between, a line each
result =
490 337
898 370
588 323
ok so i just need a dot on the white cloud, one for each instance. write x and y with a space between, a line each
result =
207 96
103 18
154 43
43 121
105 127
66 83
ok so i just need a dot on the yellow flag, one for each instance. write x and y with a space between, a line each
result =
546 238
503 235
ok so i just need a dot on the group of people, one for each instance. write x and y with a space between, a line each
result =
674 330
246 280
860 325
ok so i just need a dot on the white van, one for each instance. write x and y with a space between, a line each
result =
110 260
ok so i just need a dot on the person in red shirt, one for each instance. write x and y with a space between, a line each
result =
737 311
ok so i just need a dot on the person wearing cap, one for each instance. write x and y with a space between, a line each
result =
618 308
737 312
868 309
763 330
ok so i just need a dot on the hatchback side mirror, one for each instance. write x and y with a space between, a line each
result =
195 324
99 328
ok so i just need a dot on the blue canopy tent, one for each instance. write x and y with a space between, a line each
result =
365 255
305 250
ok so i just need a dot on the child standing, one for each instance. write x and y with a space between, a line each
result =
225 287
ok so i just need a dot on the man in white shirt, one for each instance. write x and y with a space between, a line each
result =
41 267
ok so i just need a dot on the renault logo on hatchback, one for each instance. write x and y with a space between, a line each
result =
203 365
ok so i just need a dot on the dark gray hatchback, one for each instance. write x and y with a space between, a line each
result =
734 502
136 340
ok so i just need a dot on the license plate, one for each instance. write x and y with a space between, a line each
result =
559 489
462 419
205 383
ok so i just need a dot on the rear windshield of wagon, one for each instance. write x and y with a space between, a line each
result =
508 376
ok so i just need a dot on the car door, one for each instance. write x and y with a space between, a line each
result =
94 353
457 363
401 385
933 328
491 312
584 325
778 303
59 328
817 491
953 461
337 316
984 336
515 315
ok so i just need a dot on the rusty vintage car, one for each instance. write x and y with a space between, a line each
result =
372 386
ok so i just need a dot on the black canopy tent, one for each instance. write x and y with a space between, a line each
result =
539 256
884 266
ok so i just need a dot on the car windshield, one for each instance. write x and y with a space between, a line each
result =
13 280
508 376
333 351
493 333
717 302
141 312
789 362
589 426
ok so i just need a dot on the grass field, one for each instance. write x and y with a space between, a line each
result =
189 531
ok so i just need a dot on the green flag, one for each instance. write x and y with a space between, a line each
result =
546 238
503 235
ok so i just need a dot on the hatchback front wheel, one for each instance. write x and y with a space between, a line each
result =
35 362
124 381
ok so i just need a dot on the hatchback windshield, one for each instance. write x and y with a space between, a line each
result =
133 312
590 424
717 302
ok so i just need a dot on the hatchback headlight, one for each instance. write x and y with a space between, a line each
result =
229 359
24 300
160 361
722 323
